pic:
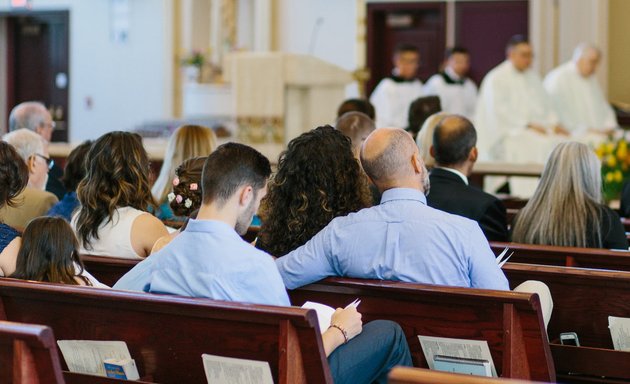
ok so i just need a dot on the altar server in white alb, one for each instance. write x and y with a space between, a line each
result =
458 94
393 95
516 119
578 98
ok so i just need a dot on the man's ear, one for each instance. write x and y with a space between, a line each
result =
246 195
30 163
472 156
416 163
432 152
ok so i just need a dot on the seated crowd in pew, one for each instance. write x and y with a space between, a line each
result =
209 259
317 220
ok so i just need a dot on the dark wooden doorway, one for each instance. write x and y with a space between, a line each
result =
389 24
38 63
484 28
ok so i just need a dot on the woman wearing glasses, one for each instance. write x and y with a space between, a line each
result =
34 201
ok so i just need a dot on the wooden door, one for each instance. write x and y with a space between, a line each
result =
38 63
389 24
484 28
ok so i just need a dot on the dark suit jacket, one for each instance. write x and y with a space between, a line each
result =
449 193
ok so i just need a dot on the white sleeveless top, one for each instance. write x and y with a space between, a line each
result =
114 237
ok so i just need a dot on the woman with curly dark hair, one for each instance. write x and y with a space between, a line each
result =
318 179
114 196
14 176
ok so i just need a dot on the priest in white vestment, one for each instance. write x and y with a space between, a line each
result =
578 98
457 93
393 95
515 118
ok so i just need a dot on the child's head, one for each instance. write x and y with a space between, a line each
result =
49 252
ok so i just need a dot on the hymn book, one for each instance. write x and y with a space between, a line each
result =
87 356
325 312
229 370
457 350
620 332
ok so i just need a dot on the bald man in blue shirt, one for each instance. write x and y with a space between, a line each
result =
402 238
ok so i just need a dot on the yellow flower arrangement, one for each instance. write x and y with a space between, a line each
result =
615 157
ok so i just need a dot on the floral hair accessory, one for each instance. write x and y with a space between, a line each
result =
175 181
188 203
193 186
170 197
179 199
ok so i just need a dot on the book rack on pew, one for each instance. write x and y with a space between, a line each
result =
511 322
166 335
583 300
405 375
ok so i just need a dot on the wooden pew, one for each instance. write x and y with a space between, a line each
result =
511 322
583 300
565 256
28 354
166 335
107 270
405 375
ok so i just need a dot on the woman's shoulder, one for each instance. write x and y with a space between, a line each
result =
7 234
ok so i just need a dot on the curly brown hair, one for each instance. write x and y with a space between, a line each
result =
117 169
318 179
13 172
188 173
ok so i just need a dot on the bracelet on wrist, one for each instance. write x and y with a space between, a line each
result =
343 332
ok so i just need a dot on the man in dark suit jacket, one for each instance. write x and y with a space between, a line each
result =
455 154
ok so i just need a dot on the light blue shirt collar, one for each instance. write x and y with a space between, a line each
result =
403 194
215 226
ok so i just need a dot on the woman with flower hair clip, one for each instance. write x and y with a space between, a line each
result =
185 199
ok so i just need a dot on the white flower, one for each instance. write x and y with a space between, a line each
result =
188 203
170 197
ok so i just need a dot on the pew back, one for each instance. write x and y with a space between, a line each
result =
107 270
167 335
565 256
28 354
405 375
583 300
510 322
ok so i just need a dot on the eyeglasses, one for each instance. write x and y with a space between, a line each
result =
50 162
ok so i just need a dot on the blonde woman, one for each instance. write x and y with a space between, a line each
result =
566 208
425 138
186 142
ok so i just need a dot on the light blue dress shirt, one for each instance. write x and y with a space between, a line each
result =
401 239
209 259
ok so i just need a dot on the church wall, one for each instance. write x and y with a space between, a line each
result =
127 83
619 55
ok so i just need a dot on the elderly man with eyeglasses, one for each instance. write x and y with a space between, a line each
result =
33 115
33 201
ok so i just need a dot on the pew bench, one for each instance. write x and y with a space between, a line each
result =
166 335
565 256
583 300
406 375
510 322
28 354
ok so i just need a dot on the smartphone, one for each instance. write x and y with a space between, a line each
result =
569 338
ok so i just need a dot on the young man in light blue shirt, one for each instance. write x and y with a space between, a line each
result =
400 239
209 259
